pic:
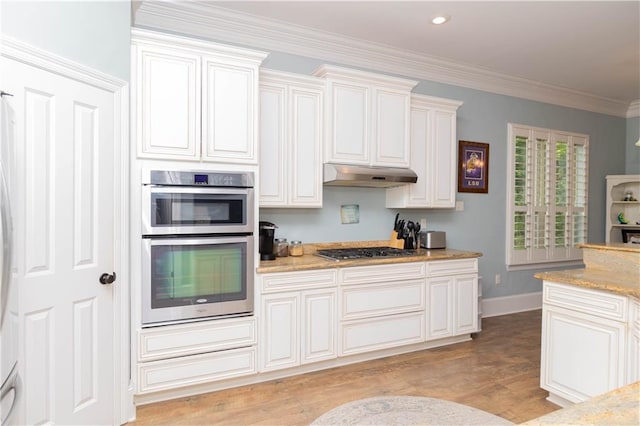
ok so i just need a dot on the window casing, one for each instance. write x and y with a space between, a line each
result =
547 195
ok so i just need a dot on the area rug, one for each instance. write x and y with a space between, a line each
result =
407 410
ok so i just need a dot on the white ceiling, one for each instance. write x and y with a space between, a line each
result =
586 47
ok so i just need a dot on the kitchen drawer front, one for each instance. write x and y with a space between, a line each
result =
195 369
592 302
380 333
366 301
382 273
189 339
452 267
301 280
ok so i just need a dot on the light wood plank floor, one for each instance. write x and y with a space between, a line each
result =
498 371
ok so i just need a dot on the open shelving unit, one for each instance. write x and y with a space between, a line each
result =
617 187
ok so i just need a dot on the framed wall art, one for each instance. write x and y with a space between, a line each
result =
473 167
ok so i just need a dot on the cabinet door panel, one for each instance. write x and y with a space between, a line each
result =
319 326
439 308
391 147
443 149
466 305
227 112
305 181
280 343
168 104
272 146
350 130
582 355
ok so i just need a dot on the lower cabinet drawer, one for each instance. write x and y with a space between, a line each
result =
452 267
381 333
195 338
367 301
196 369
593 302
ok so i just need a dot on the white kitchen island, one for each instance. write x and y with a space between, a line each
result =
591 324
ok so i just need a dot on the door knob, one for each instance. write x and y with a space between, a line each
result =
107 278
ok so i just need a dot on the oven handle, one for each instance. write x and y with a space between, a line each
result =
162 240
155 189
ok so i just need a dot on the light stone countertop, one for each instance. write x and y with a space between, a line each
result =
617 407
310 261
614 268
596 279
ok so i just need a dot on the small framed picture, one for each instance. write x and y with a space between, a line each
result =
473 167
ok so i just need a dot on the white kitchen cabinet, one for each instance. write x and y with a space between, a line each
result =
174 356
583 349
194 100
290 139
381 306
298 318
452 298
633 362
617 187
367 117
433 156
280 339
192 370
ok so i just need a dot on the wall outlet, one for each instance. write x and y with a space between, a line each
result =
423 223
459 206
498 279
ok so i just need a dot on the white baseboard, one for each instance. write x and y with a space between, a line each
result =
511 304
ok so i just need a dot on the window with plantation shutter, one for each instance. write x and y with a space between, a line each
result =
546 195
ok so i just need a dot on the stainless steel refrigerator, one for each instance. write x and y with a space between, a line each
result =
9 377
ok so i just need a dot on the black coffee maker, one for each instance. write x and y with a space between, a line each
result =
266 232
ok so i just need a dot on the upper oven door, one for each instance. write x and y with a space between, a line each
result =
171 210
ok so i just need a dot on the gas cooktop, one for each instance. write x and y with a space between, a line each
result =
363 253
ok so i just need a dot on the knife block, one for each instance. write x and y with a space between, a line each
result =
395 242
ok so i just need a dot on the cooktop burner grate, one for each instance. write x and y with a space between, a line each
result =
363 253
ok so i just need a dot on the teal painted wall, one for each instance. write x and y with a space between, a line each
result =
481 226
633 152
93 33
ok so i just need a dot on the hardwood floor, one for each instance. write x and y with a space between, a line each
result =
498 371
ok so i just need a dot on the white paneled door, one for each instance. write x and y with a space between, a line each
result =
64 232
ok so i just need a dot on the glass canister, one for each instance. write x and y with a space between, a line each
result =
281 247
295 248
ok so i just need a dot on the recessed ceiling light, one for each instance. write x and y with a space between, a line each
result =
439 20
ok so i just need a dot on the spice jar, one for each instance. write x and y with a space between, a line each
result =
295 248
281 247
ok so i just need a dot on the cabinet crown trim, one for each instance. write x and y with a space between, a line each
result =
330 71
199 46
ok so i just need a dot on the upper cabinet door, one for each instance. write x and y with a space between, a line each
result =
193 99
348 123
367 117
291 111
273 145
168 103
432 156
230 96
391 128
305 183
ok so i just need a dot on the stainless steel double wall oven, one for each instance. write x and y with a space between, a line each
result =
198 245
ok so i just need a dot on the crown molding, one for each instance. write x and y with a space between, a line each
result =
634 109
23 52
204 20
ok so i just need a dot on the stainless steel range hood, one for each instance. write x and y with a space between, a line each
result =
372 177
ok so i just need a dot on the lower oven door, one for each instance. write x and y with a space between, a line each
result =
186 278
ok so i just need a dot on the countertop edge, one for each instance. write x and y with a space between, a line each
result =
311 262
